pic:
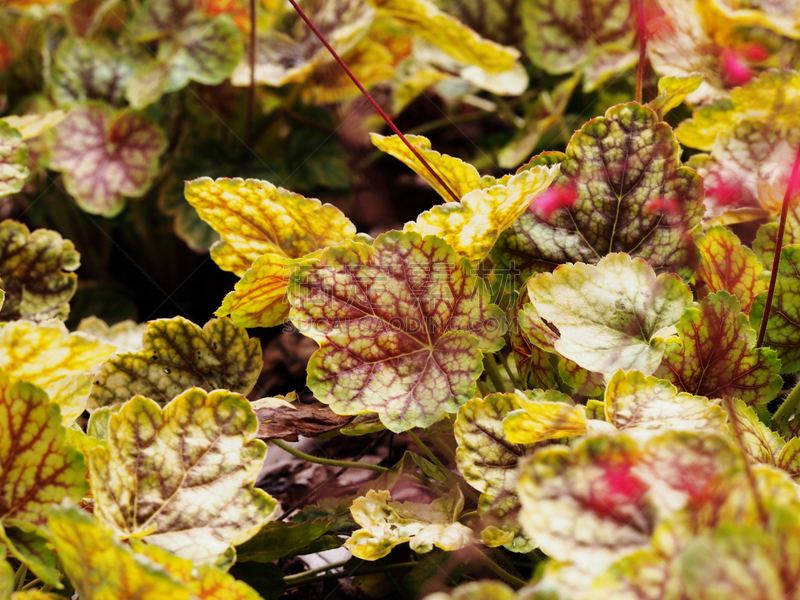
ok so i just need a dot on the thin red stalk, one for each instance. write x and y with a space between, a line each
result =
371 100
642 46
251 98
791 189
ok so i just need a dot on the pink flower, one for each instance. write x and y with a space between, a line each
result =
735 71
553 199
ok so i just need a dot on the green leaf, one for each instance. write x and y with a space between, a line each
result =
562 35
716 355
13 160
27 544
610 316
106 156
489 461
672 91
182 477
623 177
386 524
254 218
533 362
36 271
279 540
783 323
401 325
200 49
767 236
747 172
772 97
86 70
35 475
179 355
730 266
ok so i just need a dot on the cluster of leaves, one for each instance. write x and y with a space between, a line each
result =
576 338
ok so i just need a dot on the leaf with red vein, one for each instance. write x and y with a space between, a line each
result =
715 355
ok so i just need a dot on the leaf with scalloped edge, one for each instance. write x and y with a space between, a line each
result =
87 70
205 50
728 265
747 172
290 52
125 336
772 97
761 444
617 170
783 324
473 225
489 461
255 218
39 470
36 273
544 415
48 356
386 524
602 499
460 176
448 34
562 35
715 354
610 316
401 326
672 91
106 156
178 355
100 567
34 125
13 160
182 477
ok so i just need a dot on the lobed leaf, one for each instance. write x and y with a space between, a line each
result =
178 355
106 156
783 322
87 70
606 319
13 160
254 218
36 273
728 265
716 355
386 524
182 477
771 97
401 325
619 171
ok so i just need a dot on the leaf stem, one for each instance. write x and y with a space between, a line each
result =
510 579
33 583
371 100
251 95
511 375
310 572
431 456
328 462
494 373
296 580
642 47
791 188
789 407
19 577
482 388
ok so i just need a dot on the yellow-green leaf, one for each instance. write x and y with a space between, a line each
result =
182 477
178 355
610 316
125 336
31 126
386 524
254 218
672 91
546 415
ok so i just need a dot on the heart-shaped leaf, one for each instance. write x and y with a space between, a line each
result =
401 325
627 193
715 354
106 156
36 273
183 476
610 315
179 355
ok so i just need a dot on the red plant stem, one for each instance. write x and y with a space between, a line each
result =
371 100
791 189
642 46
251 98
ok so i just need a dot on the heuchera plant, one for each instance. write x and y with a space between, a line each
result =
592 359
